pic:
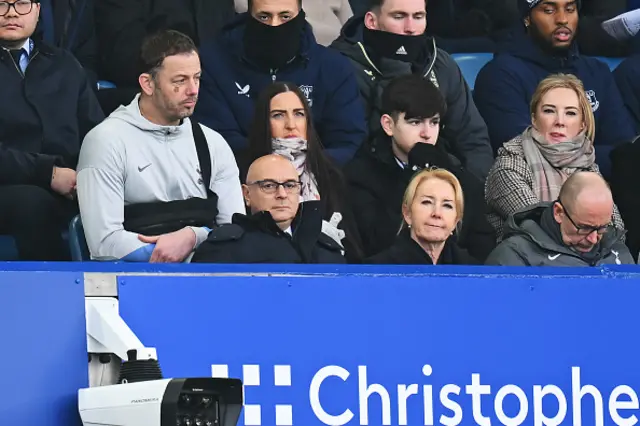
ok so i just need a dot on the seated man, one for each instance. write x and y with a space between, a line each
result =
279 229
390 42
378 175
575 230
152 183
274 42
505 86
46 108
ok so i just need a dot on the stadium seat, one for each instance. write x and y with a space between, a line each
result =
103 84
612 62
8 250
470 64
77 243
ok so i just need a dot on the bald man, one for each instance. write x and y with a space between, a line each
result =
279 228
575 230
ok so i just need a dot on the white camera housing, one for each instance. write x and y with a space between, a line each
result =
165 402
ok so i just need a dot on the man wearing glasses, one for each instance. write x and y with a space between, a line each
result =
279 229
47 106
575 230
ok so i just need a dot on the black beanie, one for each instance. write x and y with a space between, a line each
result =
525 6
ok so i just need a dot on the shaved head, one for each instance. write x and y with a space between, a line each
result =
587 187
265 190
585 203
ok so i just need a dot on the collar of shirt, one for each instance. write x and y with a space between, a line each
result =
288 231
27 47
400 163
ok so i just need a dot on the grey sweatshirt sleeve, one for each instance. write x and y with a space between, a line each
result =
100 186
225 178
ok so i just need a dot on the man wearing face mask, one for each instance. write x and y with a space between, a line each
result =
378 175
574 230
505 86
390 42
274 42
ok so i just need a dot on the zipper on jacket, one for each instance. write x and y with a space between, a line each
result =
22 74
364 52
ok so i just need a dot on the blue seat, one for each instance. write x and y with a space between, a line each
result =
103 84
77 242
611 62
8 249
470 64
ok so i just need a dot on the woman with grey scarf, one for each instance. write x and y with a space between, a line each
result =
532 167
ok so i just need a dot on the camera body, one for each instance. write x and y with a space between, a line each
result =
164 402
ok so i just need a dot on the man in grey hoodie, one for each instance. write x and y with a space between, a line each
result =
146 153
575 230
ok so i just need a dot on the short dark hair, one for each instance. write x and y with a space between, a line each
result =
250 4
377 4
414 95
160 45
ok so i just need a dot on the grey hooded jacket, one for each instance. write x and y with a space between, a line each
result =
526 243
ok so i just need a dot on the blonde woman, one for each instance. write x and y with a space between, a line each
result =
432 209
532 167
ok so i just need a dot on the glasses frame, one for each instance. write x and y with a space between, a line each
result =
600 230
10 5
278 185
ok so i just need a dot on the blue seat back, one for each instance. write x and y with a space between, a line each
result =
77 242
8 249
470 64
611 62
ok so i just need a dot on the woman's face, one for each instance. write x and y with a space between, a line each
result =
433 213
558 117
287 117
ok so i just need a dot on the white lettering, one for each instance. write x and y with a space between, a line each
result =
364 392
428 397
615 405
404 392
578 392
451 405
522 411
539 418
314 396
476 390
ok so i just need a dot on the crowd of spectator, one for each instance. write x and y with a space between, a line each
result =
308 131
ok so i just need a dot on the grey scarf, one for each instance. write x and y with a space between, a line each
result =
553 163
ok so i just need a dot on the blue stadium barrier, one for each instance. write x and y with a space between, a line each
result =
356 345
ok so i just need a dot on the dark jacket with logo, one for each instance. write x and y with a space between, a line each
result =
626 75
405 251
123 24
377 184
465 133
505 86
44 115
258 239
231 84
526 243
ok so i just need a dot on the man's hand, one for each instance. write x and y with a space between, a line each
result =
63 181
171 248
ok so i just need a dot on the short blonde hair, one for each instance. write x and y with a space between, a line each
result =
428 174
567 81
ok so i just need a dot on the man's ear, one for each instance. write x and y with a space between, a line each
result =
147 85
558 212
245 195
371 21
387 123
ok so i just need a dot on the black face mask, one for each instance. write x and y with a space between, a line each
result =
272 47
406 48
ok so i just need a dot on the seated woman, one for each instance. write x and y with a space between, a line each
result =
282 125
432 208
409 141
532 167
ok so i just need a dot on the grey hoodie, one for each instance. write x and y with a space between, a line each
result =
128 160
526 243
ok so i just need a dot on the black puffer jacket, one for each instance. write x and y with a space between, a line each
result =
465 132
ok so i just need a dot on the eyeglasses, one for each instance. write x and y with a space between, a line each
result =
586 230
22 7
270 186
